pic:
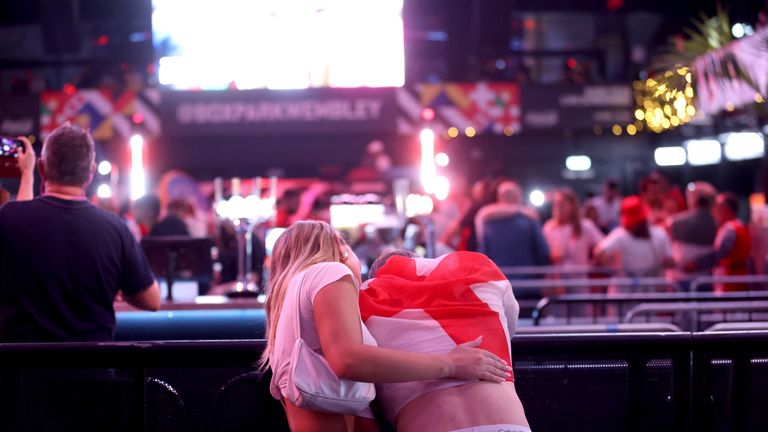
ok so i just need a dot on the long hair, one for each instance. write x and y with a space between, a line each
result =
575 218
302 245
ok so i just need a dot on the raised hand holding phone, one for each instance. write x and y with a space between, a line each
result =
10 149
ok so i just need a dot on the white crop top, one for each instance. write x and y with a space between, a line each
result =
305 284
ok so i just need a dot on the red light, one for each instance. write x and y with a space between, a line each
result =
613 5
137 118
69 89
428 114
529 24
571 63
151 68
102 40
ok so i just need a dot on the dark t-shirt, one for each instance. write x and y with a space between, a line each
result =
61 265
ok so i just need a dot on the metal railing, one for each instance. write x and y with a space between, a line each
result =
618 282
599 303
744 310
561 270
712 280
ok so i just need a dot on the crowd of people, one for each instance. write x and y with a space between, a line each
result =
656 233
432 333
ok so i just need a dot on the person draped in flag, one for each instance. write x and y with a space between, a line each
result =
431 306
315 275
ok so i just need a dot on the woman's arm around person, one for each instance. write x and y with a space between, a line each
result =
338 326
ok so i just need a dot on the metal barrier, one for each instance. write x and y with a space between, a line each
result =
556 270
600 302
711 280
601 328
619 282
197 370
694 310
730 378
599 382
738 326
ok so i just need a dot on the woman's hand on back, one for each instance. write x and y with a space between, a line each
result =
468 362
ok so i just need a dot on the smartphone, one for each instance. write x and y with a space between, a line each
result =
8 155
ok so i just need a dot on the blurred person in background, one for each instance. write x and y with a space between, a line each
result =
636 247
674 201
449 210
508 199
294 205
62 260
653 189
507 232
146 213
607 206
692 232
174 223
376 158
225 239
732 245
460 235
590 212
287 206
570 237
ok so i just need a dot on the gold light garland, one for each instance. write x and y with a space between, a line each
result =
664 101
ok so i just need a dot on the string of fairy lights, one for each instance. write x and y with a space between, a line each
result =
662 102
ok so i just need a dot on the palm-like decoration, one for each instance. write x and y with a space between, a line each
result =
706 35
719 69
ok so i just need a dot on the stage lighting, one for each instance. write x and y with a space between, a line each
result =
669 156
537 198
578 163
703 151
138 180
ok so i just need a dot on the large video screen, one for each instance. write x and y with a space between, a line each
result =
278 44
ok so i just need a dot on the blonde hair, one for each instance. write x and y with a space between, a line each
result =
302 245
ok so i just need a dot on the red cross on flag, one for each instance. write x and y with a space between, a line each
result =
433 305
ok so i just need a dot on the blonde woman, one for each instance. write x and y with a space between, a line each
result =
310 260
569 236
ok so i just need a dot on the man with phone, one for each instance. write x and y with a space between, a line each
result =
63 260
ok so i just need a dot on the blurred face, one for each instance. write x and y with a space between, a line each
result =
478 191
722 212
562 208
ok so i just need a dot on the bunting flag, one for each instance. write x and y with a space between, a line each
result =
488 107
432 305
106 115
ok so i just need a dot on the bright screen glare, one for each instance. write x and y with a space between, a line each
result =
246 44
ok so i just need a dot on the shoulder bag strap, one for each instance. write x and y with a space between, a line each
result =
297 293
